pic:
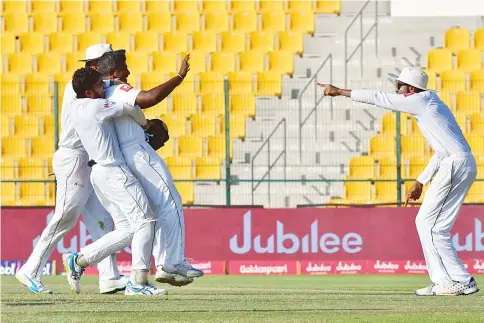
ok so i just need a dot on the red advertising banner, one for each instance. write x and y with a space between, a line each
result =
382 235
210 267
244 267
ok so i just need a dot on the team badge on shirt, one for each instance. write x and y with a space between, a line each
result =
109 104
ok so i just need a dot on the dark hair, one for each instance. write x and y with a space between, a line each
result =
92 63
83 80
110 62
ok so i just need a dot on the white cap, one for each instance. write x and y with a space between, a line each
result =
412 76
96 51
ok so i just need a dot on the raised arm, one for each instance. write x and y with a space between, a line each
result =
149 98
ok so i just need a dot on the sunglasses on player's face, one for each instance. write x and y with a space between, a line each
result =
399 85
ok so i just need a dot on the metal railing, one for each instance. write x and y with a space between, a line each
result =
363 37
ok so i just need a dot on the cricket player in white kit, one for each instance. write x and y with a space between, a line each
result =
452 167
151 170
74 196
116 187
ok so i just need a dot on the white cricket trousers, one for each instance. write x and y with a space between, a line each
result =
74 196
122 195
154 176
437 216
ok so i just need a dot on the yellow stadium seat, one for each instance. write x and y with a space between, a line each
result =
214 6
42 6
446 98
157 111
233 42
29 168
382 146
414 128
463 120
358 190
432 83
180 167
49 63
33 194
164 62
251 62
453 81
146 41
186 191
290 41
222 62
187 21
480 166
469 60
269 84
302 21
202 125
39 104
245 21
185 5
32 43
468 102
61 43
416 166
387 168
185 104
271 5
204 41
216 21
412 145
207 168
14 6
45 22
187 86
26 126
305 5
236 126
86 39
128 6
47 125
8 43
137 62
477 123
175 42
328 6
190 146
281 62
457 39
100 6
10 98
130 22
176 123
240 83
118 40
71 6
7 166
42 146
16 23
73 22
14 147
362 167
477 81
159 22
211 82
389 124
37 84
261 41
242 5
476 193
72 61
168 150
386 192
479 39
213 104
476 142
273 21
9 195
439 60
216 147
5 125
198 62
243 104
157 6
20 63
101 22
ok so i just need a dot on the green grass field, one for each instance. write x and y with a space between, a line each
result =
247 299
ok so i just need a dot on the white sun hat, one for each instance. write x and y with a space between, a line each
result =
96 51
412 76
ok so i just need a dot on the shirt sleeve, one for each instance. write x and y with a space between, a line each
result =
125 94
409 103
105 109
430 170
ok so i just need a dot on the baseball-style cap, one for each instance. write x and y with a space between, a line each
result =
94 52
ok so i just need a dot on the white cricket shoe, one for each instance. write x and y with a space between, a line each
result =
162 276
147 289
183 269
73 270
34 285
111 286
454 289
426 291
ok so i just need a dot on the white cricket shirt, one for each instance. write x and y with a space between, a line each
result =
434 118
127 129
92 121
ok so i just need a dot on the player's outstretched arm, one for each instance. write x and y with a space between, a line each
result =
331 90
147 99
